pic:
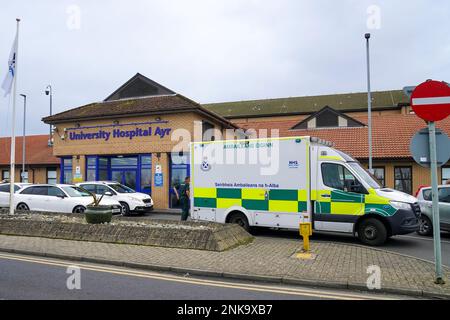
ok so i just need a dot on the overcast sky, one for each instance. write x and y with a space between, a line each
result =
218 50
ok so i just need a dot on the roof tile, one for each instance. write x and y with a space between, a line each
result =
391 134
37 151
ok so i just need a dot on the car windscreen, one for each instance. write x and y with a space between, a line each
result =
76 192
366 176
120 188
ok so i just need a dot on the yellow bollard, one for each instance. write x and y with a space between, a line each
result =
305 232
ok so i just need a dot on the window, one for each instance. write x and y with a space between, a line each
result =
327 119
379 174
41 191
89 187
51 176
103 171
427 194
55 192
444 195
208 131
5 188
66 170
5 175
91 170
24 176
445 175
119 188
179 170
146 174
337 177
76 192
103 189
124 162
403 179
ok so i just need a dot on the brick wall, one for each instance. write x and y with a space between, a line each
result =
420 175
185 127
138 145
36 174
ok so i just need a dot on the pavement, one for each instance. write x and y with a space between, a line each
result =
337 265
412 244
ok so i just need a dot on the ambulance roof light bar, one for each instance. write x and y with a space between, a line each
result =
322 142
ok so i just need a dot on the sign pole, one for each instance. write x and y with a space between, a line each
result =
435 209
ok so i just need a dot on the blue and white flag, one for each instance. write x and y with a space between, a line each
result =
9 79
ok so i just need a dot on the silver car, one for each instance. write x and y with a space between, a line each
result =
425 202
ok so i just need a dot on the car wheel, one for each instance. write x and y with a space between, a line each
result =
125 209
425 226
240 219
372 232
22 207
79 209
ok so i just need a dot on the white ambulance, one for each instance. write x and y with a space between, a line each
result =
281 182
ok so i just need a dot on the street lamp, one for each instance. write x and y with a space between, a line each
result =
49 92
369 103
23 138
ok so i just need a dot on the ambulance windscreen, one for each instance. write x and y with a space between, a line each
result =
366 176
345 156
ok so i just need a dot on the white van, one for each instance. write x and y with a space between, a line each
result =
285 181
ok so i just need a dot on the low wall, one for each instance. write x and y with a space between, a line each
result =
162 233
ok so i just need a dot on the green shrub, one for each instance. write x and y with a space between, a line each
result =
98 214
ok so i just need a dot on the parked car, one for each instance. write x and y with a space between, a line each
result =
130 200
61 198
4 192
425 202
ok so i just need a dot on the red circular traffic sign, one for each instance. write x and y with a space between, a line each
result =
431 100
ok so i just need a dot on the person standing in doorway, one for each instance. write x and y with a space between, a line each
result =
185 199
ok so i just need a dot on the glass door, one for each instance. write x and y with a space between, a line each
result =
179 170
126 177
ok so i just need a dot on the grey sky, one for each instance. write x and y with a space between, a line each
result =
218 50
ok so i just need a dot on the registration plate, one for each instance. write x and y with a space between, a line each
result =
116 210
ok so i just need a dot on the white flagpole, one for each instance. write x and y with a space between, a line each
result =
13 133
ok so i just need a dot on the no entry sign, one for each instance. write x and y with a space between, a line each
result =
431 100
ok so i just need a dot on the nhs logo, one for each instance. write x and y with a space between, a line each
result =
293 164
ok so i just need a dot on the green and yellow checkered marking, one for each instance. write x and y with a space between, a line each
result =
252 199
340 202
293 201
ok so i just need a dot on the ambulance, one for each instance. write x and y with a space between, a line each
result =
282 182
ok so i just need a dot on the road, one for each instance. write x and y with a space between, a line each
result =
412 244
26 277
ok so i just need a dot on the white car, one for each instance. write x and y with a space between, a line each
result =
61 198
4 192
130 200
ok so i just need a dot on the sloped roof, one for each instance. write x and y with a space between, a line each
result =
391 134
329 109
37 151
162 104
141 84
382 100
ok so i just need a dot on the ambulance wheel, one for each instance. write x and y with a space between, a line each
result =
372 232
240 219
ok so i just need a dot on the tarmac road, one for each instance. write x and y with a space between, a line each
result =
26 277
412 244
